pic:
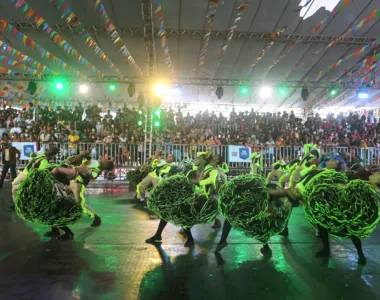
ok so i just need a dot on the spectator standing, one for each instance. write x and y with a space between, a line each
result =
10 156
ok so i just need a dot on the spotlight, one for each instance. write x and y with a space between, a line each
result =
59 86
157 124
243 90
139 123
112 87
219 92
305 93
265 92
140 112
131 89
362 94
83 89
333 92
157 112
160 89
282 91
177 91
32 87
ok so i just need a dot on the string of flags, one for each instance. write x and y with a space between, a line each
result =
58 39
72 19
234 24
356 53
373 15
6 49
338 9
28 42
116 38
211 10
162 34
274 35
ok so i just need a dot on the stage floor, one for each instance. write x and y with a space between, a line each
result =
113 261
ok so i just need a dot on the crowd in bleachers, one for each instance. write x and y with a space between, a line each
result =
91 125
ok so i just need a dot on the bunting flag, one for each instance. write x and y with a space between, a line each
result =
358 52
211 10
4 70
29 12
73 21
300 7
20 65
373 15
4 25
276 34
235 22
162 34
6 49
116 38
338 9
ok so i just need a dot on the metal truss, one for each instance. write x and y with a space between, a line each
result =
200 81
198 34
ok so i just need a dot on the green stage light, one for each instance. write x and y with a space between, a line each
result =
282 91
139 123
157 124
157 112
140 112
333 92
243 90
59 86
112 87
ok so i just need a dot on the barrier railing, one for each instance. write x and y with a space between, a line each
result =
133 155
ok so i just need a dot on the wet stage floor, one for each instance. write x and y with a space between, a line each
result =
113 261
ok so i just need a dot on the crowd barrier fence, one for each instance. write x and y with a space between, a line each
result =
128 156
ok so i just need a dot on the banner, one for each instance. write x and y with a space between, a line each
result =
239 154
25 149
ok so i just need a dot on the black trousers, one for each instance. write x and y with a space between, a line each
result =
6 167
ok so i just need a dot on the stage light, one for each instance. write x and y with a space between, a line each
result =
112 87
131 89
362 94
177 91
282 91
32 87
157 124
305 93
333 92
83 88
140 112
139 123
157 112
219 92
265 92
59 86
243 90
160 89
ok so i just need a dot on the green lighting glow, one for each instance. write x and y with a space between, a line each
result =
139 123
59 86
333 92
112 87
140 111
157 124
282 91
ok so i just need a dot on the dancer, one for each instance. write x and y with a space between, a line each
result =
10 156
39 161
285 178
249 205
346 209
279 169
213 178
256 166
180 201
43 197
151 180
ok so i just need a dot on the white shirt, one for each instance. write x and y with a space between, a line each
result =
16 130
7 156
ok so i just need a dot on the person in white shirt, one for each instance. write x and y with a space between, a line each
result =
16 129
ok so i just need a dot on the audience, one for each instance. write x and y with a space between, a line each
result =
205 130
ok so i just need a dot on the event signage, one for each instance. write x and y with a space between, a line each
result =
239 154
26 149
